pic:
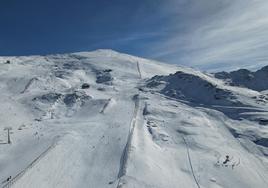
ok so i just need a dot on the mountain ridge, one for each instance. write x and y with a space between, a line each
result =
137 123
256 80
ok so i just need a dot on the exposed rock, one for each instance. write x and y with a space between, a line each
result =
85 86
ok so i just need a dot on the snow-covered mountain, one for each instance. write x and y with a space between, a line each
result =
105 119
257 80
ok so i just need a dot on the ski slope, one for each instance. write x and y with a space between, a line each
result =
130 128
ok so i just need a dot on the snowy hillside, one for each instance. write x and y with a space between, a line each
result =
103 119
254 80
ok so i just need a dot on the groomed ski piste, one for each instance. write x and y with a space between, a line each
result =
138 124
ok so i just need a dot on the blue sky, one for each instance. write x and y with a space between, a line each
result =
207 34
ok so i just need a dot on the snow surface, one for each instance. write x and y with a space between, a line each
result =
257 80
140 124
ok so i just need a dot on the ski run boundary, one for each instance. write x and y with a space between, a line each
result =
190 161
127 149
32 164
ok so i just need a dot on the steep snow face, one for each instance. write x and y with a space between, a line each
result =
105 119
253 80
200 90
192 88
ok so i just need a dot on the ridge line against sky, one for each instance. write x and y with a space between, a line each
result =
210 35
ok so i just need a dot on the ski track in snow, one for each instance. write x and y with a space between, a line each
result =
127 149
190 161
28 85
105 106
173 142
139 70
32 164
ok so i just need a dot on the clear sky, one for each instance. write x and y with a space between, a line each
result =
206 34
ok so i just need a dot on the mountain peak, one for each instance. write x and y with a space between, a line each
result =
105 118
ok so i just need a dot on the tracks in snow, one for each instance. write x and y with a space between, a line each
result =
190 161
125 156
105 105
139 70
127 149
126 152
28 85
32 164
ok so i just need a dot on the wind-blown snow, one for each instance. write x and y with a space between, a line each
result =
138 123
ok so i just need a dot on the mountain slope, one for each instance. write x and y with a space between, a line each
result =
106 119
257 80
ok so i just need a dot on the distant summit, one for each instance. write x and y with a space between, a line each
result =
253 80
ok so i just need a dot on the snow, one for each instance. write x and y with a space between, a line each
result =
141 123
244 78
